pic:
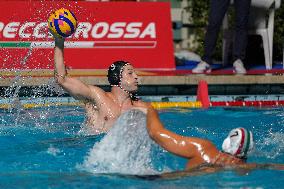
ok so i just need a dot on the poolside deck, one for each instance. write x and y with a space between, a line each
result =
162 82
176 77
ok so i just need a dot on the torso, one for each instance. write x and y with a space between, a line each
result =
101 116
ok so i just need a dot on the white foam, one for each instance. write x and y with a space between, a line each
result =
126 149
53 151
271 146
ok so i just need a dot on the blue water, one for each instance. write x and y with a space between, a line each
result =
41 148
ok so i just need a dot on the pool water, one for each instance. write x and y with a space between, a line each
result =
43 148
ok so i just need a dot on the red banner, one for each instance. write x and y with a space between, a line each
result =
107 31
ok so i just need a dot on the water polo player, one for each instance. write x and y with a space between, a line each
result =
202 153
102 108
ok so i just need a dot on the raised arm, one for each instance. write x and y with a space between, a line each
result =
174 143
74 87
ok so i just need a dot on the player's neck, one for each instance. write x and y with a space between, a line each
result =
120 94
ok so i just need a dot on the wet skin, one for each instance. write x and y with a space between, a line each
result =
102 108
198 151
109 106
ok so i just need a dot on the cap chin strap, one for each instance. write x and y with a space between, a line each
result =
131 95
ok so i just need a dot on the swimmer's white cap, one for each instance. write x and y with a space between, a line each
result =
238 143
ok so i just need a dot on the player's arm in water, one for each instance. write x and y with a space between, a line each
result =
253 166
172 142
73 86
243 169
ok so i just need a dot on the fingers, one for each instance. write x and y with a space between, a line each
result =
149 106
56 37
144 110
59 41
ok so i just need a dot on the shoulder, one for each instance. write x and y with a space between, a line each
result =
98 95
142 104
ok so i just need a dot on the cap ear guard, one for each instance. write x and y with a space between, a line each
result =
238 143
115 72
226 146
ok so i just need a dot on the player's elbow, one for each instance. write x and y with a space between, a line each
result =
150 130
151 134
160 139
154 134
60 80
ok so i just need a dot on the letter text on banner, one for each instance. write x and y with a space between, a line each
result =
140 33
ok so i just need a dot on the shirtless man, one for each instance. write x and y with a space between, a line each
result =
103 108
201 152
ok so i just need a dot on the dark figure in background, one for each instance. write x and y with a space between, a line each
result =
218 9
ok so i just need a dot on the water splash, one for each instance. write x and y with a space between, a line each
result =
271 146
126 149
18 71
